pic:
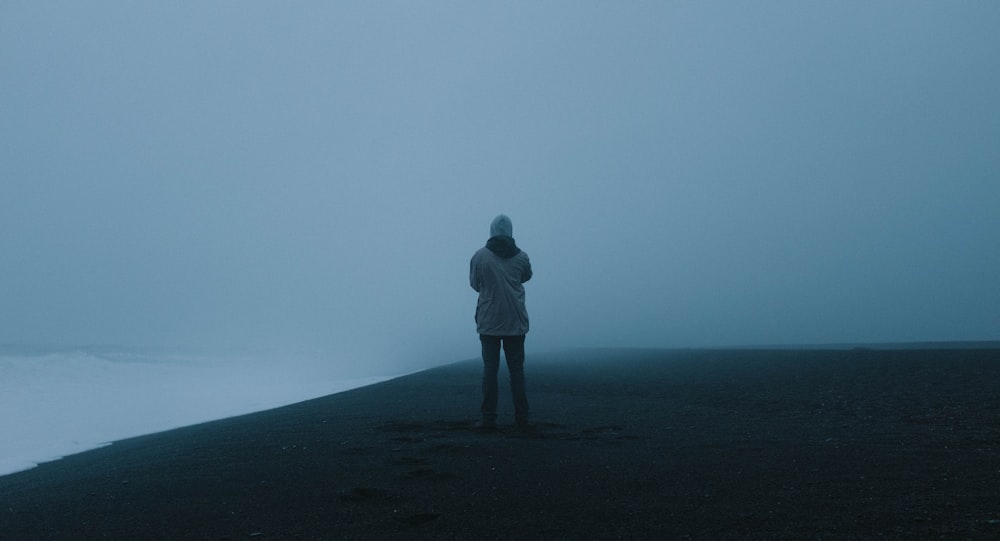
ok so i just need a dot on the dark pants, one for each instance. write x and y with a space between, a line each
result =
513 349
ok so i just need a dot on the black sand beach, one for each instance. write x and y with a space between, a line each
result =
631 444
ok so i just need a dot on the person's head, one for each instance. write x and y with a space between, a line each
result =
501 226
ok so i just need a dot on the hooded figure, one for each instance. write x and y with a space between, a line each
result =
498 272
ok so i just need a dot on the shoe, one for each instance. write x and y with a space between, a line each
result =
485 425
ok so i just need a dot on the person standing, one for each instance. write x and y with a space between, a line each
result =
498 272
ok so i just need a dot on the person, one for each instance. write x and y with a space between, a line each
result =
498 272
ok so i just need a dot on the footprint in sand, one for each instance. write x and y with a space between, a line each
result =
428 473
363 494
418 519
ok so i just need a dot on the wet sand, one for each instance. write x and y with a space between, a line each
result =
628 444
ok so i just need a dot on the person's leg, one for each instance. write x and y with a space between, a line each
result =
491 363
513 349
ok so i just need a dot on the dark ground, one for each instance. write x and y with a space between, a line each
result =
630 444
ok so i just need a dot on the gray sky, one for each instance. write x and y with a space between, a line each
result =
316 175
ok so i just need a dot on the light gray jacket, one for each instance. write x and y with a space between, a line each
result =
498 272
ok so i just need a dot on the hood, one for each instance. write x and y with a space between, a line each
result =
501 227
503 246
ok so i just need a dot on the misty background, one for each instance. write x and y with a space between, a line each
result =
313 177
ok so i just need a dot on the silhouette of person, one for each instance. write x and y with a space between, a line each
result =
498 272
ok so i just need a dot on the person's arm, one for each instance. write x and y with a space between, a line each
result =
526 273
473 275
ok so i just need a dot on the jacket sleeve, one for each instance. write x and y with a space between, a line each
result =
473 275
526 273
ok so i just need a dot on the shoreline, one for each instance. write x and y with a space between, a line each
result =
699 444
22 456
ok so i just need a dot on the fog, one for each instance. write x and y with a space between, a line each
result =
314 176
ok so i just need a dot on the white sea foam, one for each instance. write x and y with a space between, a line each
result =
59 403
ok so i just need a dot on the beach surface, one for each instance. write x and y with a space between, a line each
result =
627 444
